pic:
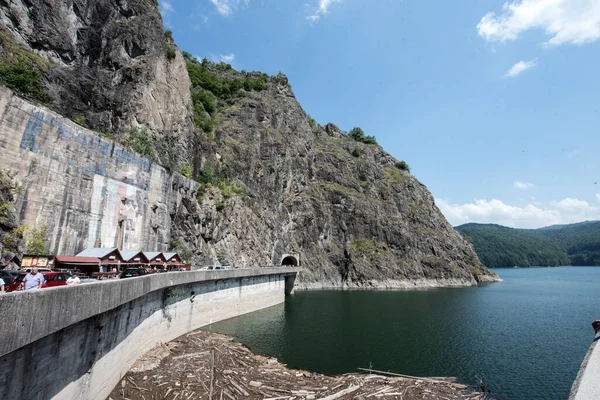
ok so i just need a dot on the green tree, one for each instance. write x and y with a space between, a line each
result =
34 238
358 134
402 165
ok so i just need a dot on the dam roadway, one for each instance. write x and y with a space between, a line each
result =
76 342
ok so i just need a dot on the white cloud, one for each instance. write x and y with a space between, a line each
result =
325 4
201 25
598 197
519 68
523 185
494 211
322 9
227 7
226 58
166 7
564 21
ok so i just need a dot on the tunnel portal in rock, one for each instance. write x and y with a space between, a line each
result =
290 260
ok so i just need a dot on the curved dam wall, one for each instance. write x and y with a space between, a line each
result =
77 342
587 382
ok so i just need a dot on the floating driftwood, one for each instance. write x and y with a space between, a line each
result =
450 380
204 365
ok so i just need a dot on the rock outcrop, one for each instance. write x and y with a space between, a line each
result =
11 242
271 181
355 218
110 66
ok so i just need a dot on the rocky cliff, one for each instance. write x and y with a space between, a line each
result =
354 216
106 64
271 180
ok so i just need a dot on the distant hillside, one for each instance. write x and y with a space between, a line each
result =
499 246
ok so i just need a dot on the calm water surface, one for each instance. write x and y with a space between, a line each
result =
525 336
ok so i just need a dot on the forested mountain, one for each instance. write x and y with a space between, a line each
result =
499 246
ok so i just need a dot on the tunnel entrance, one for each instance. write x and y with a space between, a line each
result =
290 260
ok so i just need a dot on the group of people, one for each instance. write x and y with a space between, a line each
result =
35 280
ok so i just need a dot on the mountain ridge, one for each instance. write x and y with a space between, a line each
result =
568 244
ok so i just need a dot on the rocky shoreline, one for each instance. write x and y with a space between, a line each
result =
394 284
212 366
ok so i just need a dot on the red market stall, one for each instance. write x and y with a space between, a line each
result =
110 258
86 265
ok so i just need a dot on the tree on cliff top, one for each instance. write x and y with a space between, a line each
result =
358 134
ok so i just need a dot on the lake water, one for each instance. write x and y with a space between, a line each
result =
524 337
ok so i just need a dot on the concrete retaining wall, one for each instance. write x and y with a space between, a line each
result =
77 342
81 185
587 383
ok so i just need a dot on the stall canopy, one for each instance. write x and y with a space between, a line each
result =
155 258
174 261
109 257
104 254
86 264
172 257
132 257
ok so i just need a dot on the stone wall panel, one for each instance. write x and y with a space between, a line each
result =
85 188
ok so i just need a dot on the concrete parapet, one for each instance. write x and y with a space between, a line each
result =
587 382
77 342
29 316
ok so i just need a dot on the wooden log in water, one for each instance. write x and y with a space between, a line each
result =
451 381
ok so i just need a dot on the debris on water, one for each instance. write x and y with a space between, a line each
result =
205 365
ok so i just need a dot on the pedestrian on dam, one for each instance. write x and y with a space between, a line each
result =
73 279
33 280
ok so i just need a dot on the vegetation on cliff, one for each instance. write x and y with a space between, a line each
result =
15 238
207 87
21 70
499 246
272 180
358 134
9 189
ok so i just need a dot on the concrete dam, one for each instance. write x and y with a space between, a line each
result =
76 342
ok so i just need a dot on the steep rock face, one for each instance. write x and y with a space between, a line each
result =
355 219
11 243
111 67
273 181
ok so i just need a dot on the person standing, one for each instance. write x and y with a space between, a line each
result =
73 280
2 283
33 280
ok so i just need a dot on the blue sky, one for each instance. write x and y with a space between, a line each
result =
496 107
